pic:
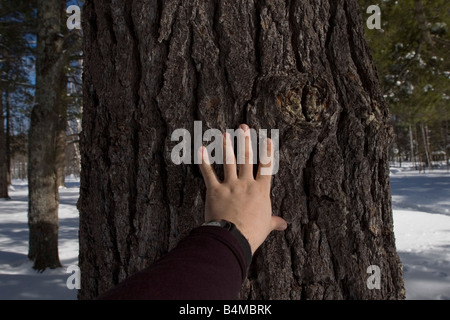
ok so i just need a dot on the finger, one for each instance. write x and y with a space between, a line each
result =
265 167
229 160
245 153
209 176
278 223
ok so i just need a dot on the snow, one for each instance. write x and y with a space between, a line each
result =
427 192
18 280
421 203
423 244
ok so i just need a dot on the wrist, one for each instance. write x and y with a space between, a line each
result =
242 240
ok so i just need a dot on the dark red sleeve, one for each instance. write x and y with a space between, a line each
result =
208 264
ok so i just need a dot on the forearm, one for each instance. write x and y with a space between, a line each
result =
207 264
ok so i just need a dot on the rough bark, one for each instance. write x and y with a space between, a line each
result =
302 67
61 153
61 140
43 191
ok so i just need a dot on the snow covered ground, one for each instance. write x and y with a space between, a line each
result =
17 278
421 205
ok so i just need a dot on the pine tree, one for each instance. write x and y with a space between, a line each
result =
411 53
17 22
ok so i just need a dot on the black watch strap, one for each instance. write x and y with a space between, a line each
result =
236 233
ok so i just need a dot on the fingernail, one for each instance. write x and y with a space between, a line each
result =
244 127
283 226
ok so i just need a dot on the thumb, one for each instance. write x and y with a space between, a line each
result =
278 223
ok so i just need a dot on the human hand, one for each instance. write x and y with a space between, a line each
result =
241 198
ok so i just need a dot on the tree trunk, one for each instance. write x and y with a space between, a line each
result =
426 144
8 138
301 67
411 147
61 137
43 190
3 152
61 153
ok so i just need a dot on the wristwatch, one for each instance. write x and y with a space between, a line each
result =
227 225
